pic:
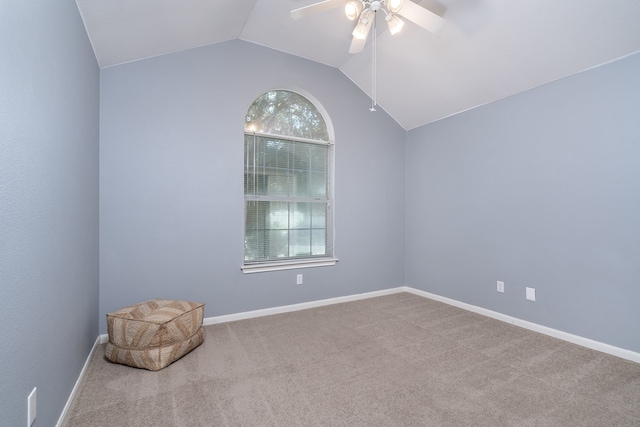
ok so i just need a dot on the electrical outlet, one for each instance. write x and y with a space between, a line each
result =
530 294
299 279
31 407
500 286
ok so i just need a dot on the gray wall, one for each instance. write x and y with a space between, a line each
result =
49 103
171 182
542 190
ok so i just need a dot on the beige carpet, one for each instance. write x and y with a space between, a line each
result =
398 360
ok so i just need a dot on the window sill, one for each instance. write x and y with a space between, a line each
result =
288 265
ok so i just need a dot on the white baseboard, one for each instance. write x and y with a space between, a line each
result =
63 415
565 336
104 338
297 307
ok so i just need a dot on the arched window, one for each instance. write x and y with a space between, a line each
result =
288 184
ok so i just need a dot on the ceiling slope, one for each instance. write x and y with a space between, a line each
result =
487 50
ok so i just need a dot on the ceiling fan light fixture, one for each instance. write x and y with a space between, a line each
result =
353 10
394 23
394 6
362 29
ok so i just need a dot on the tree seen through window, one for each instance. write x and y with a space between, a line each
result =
287 180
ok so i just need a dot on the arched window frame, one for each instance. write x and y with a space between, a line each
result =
262 205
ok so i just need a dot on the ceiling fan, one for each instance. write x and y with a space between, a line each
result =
365 12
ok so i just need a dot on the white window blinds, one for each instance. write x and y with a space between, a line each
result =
287 181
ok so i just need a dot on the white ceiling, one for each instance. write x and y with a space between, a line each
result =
487 50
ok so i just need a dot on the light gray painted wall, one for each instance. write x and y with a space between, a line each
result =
49 103
542 190
171 182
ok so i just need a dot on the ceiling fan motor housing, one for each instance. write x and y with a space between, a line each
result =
375 5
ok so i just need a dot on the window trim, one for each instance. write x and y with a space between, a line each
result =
288 265
289 138
298 263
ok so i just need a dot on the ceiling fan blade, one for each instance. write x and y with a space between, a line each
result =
357 45
312 9
421 16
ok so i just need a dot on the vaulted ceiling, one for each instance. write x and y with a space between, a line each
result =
487 50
